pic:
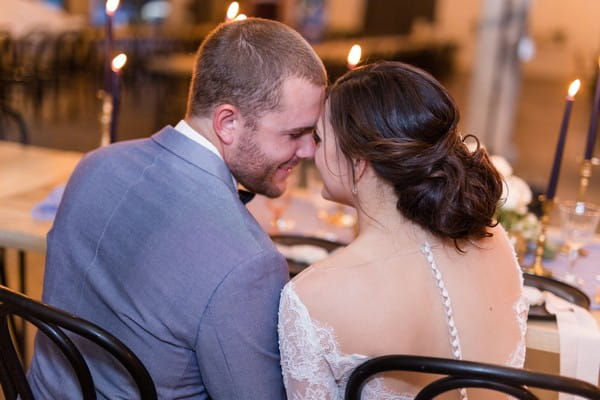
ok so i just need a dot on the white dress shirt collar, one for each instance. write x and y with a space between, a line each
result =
186 130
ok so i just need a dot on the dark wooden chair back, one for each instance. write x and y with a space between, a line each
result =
459 374
54 323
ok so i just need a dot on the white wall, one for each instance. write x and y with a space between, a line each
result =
457 20
578 22
566 35
345 15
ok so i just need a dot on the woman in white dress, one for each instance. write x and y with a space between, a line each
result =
430 272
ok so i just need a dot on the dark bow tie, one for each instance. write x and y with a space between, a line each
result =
245 196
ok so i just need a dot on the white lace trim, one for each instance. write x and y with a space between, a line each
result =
313 366
521 307
517 358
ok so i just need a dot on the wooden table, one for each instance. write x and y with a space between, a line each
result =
27 175
542 335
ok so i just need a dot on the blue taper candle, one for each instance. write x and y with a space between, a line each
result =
560 145
110 9
116 66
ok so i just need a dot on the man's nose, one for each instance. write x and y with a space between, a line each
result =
307 147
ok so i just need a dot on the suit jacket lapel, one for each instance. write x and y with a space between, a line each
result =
194 153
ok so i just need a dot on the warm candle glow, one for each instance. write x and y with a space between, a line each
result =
354 56
232 10
111 6
574 88
118 62
240 17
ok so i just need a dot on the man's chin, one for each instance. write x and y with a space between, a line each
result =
274 191
269 185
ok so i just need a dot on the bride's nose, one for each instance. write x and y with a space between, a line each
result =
306 148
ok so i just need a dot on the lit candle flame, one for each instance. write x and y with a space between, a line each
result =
118 62
354 56
240 17
574 88
232 11
111 6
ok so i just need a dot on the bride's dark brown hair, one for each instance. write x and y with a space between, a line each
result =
404 123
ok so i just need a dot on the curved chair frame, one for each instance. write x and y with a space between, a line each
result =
51 321
8 114
296 267
467 374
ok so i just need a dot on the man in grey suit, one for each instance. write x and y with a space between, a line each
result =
152 242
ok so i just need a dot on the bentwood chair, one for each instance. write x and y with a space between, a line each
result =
54 323
12 127
12 121
467 374
295 266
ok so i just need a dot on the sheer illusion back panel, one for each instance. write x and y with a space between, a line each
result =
392 305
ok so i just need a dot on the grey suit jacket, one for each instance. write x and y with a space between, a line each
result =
152 243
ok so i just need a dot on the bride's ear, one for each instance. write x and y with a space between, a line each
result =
360 166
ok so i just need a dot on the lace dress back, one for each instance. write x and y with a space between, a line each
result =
315 368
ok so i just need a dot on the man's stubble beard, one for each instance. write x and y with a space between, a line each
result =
252 168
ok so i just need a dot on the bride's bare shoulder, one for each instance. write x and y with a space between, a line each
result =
321 270
321 278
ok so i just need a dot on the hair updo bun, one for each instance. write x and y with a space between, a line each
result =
403 122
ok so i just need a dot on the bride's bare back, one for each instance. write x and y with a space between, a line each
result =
364 302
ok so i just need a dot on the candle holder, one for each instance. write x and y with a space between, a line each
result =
537 268
585 173
105 117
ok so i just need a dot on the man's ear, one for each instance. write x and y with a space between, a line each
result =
226 121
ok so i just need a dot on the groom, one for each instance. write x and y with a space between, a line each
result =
152 243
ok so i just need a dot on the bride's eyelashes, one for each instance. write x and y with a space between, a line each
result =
316 137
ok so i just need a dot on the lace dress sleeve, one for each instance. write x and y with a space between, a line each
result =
306 373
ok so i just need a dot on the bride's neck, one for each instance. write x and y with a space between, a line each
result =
380 223
385 226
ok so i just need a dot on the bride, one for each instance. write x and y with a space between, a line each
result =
430 273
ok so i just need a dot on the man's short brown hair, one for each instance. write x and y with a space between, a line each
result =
244 63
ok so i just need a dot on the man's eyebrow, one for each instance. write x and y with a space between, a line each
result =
299 131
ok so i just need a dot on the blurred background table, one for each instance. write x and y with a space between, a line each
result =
305 215
436 56
587 267
27 175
